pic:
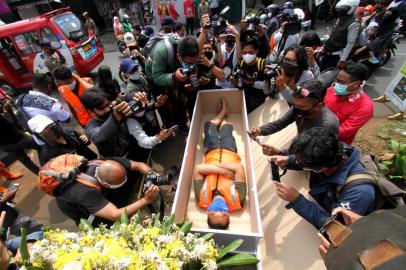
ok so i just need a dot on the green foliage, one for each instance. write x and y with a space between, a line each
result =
239 259
230 247
124 217
25 256
395 169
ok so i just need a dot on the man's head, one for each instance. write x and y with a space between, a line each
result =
350 79
42 83
295 60
137 30
47 130
308 99
208 50
129 40
131 68
111 174
218 214
180 29
318 149
167 25
250 50
381 6
63 76
97 103
188 50
47 48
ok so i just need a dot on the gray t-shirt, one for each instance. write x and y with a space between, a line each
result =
326 119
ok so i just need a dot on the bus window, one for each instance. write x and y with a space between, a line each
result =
27 43
49 36
71 27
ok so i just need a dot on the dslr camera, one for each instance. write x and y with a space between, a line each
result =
270 71
135 106
218 22
191 73
252 21
238 74
153 178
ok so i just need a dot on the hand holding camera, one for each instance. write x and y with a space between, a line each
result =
141 97
269 150
255 132
160 100
151 193
280 79
179 76
165 134
121 109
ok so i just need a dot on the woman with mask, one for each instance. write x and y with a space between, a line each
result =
251 71
294 71
107 83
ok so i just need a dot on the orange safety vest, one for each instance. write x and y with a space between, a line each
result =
83 116
218 182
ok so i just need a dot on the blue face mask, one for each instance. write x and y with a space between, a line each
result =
341 89
218 205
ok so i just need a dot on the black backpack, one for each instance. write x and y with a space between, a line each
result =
387 194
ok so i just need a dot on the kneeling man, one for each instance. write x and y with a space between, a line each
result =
219 183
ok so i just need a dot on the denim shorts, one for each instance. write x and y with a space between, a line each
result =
219 138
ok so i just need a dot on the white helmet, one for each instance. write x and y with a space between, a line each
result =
348 5
300 14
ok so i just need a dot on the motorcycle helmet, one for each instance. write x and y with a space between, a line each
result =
287 5
263 18
300 14
273 9
346 7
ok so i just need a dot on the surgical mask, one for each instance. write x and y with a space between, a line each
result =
218 205
208 54
249 58
290 69
107 185
72 85
341 89
135 76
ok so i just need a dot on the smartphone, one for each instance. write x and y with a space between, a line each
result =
275 172
255 139
174 128
339 217
13 187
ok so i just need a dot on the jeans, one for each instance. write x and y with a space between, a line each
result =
189 26
219 138
14 244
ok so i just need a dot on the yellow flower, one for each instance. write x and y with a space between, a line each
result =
65 257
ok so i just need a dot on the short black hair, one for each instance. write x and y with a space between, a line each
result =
62 73
318 147
358 71
310 39
301 56
188 46
218 226
93 98
137 27
41 82
315 90
251 42
142 40
178 26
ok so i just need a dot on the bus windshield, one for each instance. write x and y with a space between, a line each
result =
71 27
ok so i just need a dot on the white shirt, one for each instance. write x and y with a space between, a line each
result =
136 130
53 109
225 55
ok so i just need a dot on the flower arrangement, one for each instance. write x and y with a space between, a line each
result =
133 244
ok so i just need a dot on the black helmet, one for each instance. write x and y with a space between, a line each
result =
274 9
287 5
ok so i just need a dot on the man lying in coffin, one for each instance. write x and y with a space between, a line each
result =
219 183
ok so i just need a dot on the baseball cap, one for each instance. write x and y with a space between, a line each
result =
39 122
127 65
167 21
129 39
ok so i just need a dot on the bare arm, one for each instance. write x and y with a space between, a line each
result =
83 82
204 169
237 169
140 167
111 212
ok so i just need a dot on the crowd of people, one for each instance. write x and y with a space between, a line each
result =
162 74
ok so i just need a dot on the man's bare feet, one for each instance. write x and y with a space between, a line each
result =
224 107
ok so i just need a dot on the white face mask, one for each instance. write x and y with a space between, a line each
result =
249 58
135 76
72 85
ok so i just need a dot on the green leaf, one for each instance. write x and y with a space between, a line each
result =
124 217
25 256
404 165
207 236
186 227
399 163
156 219
85 225
394 145
167 223
230 247
137 218
239 259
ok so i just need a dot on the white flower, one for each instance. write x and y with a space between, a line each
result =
210 265
73 266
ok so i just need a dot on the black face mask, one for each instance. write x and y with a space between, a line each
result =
230 43
209 54
290 69
299 112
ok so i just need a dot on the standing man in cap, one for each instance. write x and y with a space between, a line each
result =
189 11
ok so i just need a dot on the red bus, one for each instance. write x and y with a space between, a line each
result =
20 53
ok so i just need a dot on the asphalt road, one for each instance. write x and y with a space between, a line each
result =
34 203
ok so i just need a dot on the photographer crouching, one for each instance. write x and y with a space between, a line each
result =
249 75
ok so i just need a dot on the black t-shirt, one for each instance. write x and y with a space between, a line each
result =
203 71
78 200
253 72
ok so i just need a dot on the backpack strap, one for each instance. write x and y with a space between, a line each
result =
88 180
354 180
169 49
260 65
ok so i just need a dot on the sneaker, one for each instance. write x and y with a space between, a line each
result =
374 60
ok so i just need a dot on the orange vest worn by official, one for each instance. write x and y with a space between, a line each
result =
82 115
218 182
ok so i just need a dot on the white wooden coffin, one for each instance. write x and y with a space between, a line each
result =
244 224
